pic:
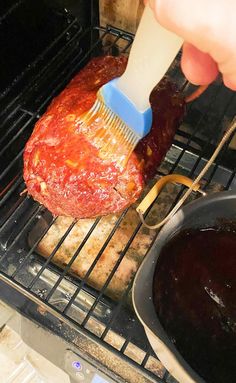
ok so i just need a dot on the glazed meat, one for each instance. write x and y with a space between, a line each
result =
62 167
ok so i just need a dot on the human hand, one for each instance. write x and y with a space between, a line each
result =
209 30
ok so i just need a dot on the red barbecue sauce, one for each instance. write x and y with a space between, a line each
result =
194 295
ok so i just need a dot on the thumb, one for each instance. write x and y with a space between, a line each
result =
198 67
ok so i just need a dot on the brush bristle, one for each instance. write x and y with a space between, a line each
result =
114 139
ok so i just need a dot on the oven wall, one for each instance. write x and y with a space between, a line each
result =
86 11
123 14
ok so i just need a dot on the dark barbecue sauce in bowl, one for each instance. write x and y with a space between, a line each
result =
194 292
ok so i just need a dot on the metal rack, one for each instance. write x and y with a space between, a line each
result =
70 299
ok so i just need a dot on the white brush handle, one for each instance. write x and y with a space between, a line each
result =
153 50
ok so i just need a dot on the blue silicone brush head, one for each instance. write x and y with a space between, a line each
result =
114 124
121 116
139 122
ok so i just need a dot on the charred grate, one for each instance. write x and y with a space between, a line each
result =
109 321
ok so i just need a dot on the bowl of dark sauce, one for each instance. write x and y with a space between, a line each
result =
185 291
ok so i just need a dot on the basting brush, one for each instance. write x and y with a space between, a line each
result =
121 115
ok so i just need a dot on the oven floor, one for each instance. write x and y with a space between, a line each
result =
19 363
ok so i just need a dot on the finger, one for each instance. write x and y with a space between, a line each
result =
199 68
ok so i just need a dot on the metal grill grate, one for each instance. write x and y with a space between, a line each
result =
109 322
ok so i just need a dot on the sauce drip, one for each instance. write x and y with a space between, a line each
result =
194 292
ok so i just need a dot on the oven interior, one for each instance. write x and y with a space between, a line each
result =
43 44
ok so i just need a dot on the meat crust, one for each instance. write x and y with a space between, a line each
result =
62 167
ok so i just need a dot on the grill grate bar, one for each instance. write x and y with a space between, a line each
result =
72 259
28 112
123 348
11 9
52 253
83 282
9 114
112 47
22 200
51 66
217 159
167 376
14 138
113 43
230 180
15 159
74 64
145 359
3 123
37 210
118 262
108 280
59 83
185 146
191 173
215 166
10 188
34 64
20 267
223 151
73 324
121 35
125 49
65 74
128 36
219 120
116 311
